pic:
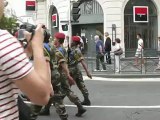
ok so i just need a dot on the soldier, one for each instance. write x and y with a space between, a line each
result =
65 79
58 97
75 57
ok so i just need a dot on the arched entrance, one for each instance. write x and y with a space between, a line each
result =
53 28
148 30
90 23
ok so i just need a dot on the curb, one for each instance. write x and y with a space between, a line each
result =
127 75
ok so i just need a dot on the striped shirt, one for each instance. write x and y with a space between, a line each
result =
14 65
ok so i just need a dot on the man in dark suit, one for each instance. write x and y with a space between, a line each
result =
108 48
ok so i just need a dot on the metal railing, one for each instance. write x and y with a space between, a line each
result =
127 64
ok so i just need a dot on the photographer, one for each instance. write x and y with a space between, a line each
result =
18 72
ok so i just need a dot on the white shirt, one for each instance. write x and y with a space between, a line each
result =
116 47
14 65
140 44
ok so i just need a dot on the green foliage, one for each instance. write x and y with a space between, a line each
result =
8 23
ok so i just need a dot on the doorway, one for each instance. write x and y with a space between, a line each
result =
149 30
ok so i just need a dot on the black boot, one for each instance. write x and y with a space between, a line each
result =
64 119
81 110
86 101
45 111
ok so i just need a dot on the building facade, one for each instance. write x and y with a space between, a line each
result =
98 16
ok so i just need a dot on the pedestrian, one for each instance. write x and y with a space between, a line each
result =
17 72
139 51
107 48
158 65
99 54
85 49
117 49
76 57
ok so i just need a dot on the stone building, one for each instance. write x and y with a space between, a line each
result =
99 16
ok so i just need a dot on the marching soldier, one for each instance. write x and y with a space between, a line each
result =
57 99
75 57
65 79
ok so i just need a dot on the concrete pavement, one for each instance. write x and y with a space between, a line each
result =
120 99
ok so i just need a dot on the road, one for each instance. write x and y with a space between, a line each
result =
117 99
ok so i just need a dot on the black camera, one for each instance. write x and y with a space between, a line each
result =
31 28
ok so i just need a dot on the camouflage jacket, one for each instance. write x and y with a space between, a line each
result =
75 56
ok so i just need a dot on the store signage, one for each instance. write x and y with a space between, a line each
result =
140 14
30 5
54 20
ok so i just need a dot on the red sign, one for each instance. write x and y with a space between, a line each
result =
54 20
30 5
140 13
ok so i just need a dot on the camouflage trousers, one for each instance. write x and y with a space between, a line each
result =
76 74
58 97
35 110
67 90
56 100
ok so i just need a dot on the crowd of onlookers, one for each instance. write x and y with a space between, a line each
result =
104 50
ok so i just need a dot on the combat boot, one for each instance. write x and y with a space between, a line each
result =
81 110
86 101
64 118
45 112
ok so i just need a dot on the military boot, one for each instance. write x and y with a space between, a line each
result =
86 101
64 118
45 112
81 110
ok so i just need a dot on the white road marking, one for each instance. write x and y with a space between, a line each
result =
122 79
125 107
115 107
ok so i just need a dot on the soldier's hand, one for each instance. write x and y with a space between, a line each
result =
71 81
89 75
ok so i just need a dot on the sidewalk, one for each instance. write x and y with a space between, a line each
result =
128 70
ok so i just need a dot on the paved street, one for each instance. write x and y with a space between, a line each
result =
120 99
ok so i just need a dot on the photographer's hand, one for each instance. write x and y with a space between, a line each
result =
38 36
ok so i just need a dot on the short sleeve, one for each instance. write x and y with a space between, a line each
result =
60 57
78 55
13 61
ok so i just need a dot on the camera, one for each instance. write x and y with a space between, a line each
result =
31 28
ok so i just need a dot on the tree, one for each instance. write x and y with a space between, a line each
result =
8 23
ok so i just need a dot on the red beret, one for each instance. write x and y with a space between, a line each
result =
59 35
76 39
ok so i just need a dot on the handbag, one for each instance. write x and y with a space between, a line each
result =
118 52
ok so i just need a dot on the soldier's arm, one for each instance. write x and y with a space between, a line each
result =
62 63
85 68
80 59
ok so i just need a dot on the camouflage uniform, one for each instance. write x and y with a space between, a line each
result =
75 56
61 56
35 109
57 99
